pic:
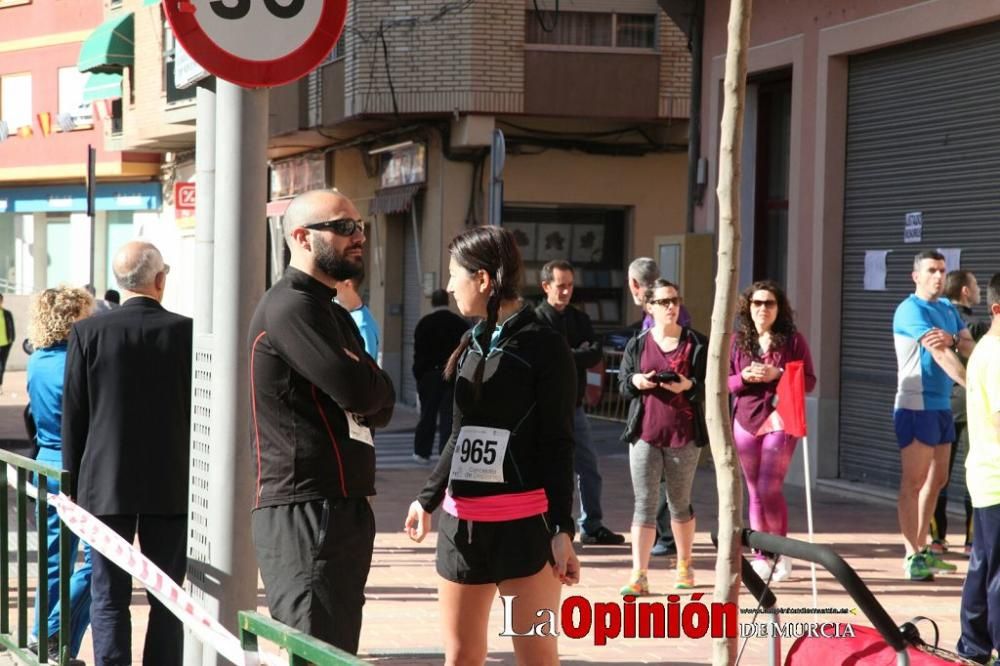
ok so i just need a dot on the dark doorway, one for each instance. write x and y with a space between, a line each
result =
770 236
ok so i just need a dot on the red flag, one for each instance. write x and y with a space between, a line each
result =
45 122
791 396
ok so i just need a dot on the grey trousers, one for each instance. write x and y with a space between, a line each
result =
647 464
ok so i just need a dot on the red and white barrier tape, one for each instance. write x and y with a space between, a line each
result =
112 546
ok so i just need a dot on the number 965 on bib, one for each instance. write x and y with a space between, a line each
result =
479 454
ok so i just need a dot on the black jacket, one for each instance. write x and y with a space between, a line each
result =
630 366
434 339
574 325
524 390
977 329
303 380
126 417
11 333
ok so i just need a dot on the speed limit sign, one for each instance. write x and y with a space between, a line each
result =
257 43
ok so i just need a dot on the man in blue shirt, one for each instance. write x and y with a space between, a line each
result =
928 333
349 299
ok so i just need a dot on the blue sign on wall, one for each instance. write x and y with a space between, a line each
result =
73 198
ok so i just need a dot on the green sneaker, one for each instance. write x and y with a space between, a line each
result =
915 568
935 563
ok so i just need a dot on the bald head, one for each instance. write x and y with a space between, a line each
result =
324 253
139 269
316 206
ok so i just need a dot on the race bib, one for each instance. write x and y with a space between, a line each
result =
357 429
479 454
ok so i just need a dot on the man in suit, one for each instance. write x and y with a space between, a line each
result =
434 339
125 429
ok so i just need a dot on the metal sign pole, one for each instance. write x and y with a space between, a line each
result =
225 573
201 402
498 157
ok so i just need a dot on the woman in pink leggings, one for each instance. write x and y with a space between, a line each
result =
765 341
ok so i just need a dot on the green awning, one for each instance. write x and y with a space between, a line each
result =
101 85
110 47
146 3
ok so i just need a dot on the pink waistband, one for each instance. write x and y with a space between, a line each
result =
496 508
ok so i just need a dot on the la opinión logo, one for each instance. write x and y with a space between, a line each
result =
579 617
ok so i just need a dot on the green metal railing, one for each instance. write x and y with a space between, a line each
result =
18 645
302 648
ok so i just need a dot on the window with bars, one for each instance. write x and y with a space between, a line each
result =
590 29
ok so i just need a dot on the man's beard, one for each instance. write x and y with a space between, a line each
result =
335 264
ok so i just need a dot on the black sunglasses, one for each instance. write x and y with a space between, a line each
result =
666 302
769 303
343 226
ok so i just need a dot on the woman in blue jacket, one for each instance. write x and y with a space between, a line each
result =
53 313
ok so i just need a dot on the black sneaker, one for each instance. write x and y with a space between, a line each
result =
602 537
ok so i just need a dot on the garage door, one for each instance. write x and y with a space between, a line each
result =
923 137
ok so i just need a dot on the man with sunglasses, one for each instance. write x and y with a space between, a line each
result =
574 325
315 396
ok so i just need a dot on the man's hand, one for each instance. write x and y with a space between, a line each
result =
937 339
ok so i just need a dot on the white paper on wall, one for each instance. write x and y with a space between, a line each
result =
875 269
952 257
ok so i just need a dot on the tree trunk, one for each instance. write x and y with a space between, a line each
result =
727 472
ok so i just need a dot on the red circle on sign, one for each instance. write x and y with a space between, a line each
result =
256 73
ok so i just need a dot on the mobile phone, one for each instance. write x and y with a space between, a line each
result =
666 376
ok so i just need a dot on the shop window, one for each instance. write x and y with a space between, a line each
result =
592 239
590 29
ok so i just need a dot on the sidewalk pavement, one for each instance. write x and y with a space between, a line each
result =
402 616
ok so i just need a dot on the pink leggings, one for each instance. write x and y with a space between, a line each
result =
765 460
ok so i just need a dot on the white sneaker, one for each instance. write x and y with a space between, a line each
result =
782 569
762 568
420 460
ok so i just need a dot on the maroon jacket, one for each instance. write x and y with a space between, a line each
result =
755 402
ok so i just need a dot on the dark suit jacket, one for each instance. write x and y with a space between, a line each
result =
11 333
127 410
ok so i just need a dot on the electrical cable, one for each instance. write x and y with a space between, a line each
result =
541 19
592 135
388 74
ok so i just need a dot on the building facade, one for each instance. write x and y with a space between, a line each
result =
870 135
593 102
50 112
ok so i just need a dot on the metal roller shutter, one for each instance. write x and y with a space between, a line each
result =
923 135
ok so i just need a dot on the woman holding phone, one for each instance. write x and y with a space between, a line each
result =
663 375
765 341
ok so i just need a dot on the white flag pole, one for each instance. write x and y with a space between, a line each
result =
809 512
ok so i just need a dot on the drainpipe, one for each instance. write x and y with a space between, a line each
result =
695 189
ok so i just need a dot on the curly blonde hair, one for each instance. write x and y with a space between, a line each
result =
53 313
